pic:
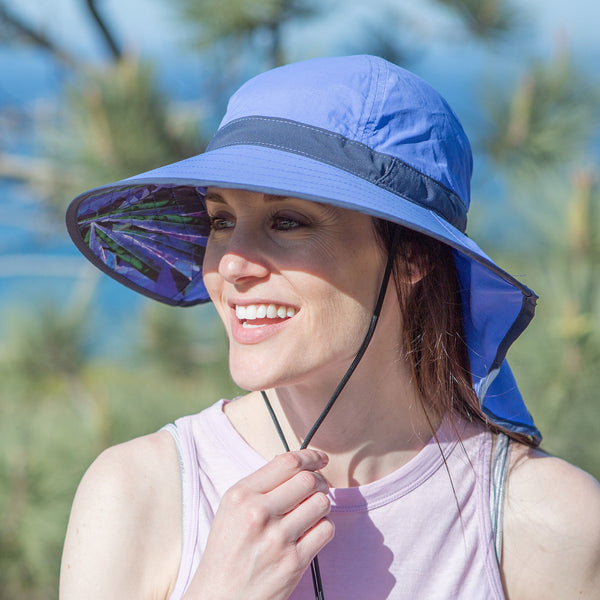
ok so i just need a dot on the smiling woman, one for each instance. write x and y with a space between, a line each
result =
326 222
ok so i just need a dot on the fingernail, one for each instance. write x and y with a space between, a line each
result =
324 457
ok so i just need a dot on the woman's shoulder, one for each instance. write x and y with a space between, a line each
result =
125 520
551 528
134 469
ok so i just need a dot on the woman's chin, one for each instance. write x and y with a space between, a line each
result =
249 379
253 383
256 377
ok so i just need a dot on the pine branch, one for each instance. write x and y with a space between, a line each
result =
109 38
37 38
486 19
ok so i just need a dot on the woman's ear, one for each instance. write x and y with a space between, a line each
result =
415 274
414 266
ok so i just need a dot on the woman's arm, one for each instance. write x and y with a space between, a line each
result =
551 530
124 535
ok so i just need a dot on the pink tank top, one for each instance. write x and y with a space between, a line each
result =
401 537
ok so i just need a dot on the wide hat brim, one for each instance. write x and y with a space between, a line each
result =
149 233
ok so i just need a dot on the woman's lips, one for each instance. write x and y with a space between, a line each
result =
253 323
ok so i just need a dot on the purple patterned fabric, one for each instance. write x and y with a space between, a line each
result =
152 236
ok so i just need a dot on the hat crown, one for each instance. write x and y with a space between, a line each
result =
368 100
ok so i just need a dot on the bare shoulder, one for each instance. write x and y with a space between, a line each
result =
551 529
124 533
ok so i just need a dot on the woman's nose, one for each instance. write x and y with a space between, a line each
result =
243 262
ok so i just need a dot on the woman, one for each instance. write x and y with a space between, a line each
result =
326 180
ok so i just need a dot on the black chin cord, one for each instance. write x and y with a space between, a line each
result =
314 566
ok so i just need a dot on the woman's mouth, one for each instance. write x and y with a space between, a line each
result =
259 315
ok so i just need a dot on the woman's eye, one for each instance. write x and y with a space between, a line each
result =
286 223
220 223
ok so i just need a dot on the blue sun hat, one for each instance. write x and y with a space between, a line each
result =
356 132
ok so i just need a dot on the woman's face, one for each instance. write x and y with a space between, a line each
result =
295 283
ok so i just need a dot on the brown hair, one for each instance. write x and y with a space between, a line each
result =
432 325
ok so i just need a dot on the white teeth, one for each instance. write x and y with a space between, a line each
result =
261 311
250 312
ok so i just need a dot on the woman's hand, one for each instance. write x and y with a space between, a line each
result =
268 528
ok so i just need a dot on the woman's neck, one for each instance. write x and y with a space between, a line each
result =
377 424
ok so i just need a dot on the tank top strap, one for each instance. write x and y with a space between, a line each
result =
498 475
182 434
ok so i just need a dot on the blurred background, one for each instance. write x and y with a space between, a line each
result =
92 91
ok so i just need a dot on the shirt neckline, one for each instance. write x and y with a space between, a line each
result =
353 499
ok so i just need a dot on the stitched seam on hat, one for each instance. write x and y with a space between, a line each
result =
299 124
367 122
450 232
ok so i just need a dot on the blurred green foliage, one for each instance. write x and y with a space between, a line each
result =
61 405
53 426
486 19
546 123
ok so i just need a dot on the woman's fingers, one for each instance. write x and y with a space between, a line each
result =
296 490
314 540
274 490
295 499
305 516
284 467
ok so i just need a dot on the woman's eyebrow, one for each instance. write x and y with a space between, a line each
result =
215 197
274 198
